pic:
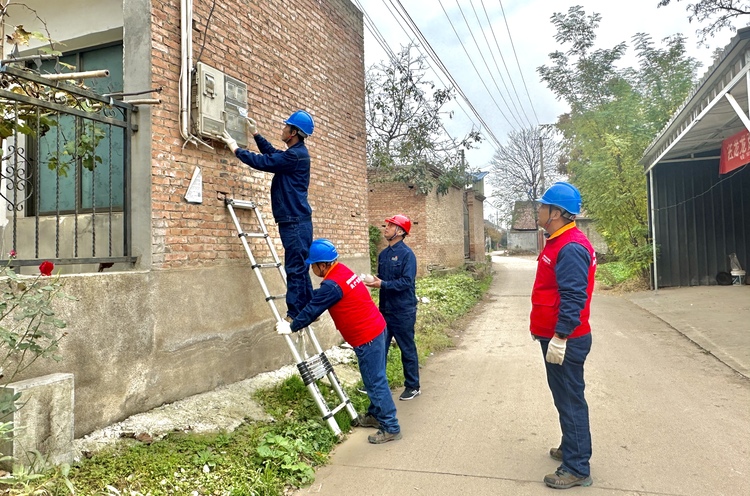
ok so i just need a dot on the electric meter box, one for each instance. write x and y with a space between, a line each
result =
218 100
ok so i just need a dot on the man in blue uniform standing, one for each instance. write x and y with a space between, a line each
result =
560 308
292 212
396 279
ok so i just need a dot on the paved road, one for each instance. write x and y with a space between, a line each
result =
667 417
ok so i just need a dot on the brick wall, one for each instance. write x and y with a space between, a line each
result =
445 218
475 206
437 221
306 54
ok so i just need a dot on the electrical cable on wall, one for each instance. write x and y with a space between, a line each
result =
729 176
205 30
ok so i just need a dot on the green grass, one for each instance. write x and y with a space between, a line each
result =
614 273
258 458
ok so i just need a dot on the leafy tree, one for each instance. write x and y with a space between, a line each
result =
615 113
516 167
405 136
720 14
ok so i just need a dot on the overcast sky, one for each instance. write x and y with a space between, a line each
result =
532 35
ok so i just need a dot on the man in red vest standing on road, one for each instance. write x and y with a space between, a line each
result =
560 307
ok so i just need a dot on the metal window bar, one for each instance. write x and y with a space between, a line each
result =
32 98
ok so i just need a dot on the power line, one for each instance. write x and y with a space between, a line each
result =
517 63
413 26
481 54
694 197
500 52
437 74
419 48
384 44
475 67
404 14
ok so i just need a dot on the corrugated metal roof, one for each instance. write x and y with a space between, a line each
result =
707 117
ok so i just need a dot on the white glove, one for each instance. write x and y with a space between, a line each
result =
231 142
556 350
283 327
252 126
367 278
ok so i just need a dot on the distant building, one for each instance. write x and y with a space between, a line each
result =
474 239
523 236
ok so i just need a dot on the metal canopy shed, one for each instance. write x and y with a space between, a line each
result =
698 216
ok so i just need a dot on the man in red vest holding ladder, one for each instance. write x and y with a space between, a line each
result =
560 307
360 323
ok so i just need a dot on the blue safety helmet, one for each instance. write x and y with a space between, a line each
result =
302 121
321 250
563 195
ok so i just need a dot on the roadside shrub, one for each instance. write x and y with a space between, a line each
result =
30 329
614 273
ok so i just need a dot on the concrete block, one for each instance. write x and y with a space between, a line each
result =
43 420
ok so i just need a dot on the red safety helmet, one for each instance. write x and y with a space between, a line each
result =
401 221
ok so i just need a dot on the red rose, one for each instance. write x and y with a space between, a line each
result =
12 254
46 268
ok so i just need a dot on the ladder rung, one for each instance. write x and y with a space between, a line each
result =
267 265
252 235
276 297
338 408
240 203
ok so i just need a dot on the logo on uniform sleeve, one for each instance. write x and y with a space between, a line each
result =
353 281
546 259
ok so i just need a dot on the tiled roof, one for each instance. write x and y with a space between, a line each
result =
524 216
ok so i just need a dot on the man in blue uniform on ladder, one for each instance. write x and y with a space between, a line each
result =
292 212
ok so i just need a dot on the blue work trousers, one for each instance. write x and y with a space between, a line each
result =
371 358
567 385
296 238
401 327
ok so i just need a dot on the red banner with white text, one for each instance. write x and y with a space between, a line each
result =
735 152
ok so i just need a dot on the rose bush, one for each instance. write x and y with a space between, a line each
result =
29 326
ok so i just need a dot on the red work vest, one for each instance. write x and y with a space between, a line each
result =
355 315
545 297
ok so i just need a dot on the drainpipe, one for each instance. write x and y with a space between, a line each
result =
186 66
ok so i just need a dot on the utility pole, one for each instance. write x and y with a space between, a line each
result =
541 166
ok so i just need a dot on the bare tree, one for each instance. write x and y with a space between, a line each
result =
516 172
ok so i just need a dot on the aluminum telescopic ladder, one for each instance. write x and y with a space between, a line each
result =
314 368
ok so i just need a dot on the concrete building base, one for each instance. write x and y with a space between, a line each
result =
42 421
